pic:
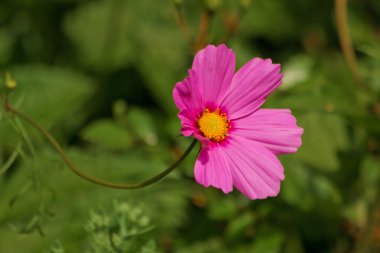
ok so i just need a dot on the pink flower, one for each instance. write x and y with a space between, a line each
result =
240 141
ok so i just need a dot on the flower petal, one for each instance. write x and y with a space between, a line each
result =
256 171
186 94
215 67
187 122
250 87
275 129
211 169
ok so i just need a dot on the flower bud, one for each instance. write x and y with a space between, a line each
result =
178 2
10 83
245 3
213 4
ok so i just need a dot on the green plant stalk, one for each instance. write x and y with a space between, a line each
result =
12 158
204 26
90 178
182 23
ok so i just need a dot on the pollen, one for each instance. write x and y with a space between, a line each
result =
214 125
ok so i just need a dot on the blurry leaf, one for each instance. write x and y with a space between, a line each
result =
259 22
296 71
160 68
121 230
222 209
369 178
371 70
361 31
326 191
268 241
168 196
23 190
238 225
57 248
6 44
207 246
293 244
306 189
370 50
149 247
52 96
296 188
356 213
12 158
164 62
107 134
101 31
324 136
368 122
143 125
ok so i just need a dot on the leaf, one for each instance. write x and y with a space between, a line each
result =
306 189
6 44
324 136
222 209
143 125
238 225
102 33
107 134
296 71
75 197
269 241
53 96
369 178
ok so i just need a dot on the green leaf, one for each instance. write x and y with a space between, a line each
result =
324 136
306 189
53 96
268 241
143 125
222 209
107 134
102 33
6 44
297 70
369 178
238 225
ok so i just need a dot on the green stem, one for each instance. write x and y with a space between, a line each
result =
90 178
12 158
204 26
182 24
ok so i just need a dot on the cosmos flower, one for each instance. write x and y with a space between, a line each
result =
240 141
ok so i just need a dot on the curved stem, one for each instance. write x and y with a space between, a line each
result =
204 26
90 178
345 40
182 24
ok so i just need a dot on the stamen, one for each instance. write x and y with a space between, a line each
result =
214 125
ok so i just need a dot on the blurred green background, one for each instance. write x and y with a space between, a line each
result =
99 75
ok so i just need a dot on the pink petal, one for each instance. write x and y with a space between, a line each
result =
250 87
256 171
275 129
215 67
187 122
186 94
212 169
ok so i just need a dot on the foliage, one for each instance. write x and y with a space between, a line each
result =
99 76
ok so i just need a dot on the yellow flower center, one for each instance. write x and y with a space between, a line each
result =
214 125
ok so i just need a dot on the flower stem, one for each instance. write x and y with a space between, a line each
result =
12 158
90 178
346 42
204 25
182 24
